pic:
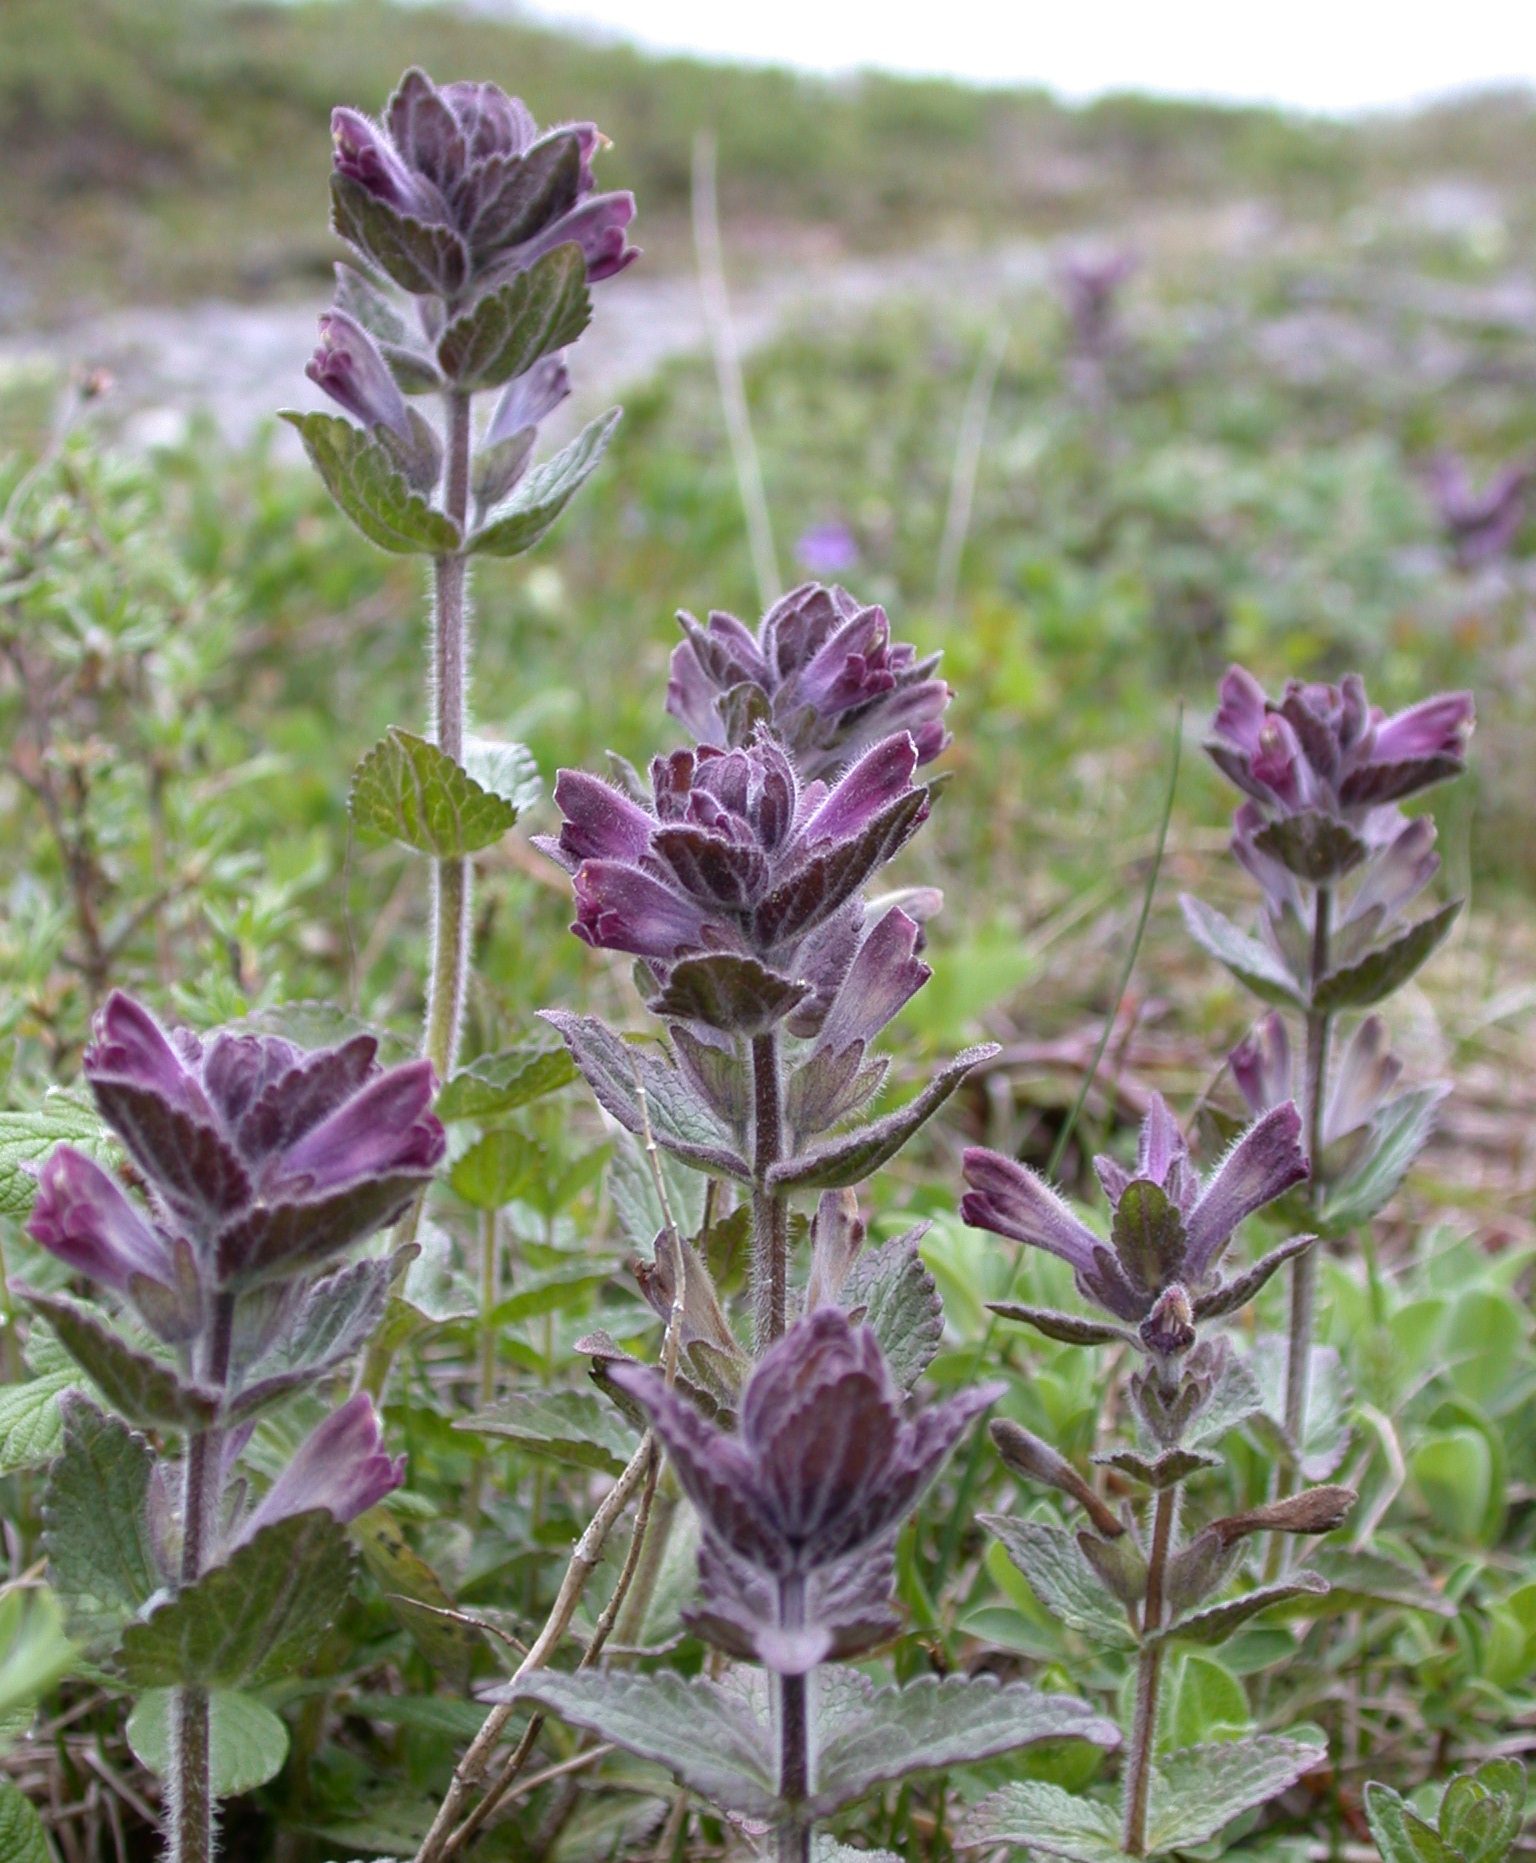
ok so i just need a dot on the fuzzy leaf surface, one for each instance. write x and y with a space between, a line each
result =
1386 969
1215 1625
500 1083
408 790
519 523
361 475
575 1427
507 330
257 1615
1253 964
1325 1440
728 992
28 1138
1041 1817
901 1305
1062 1579
101 1560
1201 1789
142 1389
714 1740
1400 1132
840 1162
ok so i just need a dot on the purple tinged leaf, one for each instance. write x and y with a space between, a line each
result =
341 1466
878 778
1261 1065
383 1131
347 365
620 908
1263 1163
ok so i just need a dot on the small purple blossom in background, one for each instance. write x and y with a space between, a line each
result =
264 1159
1480 523
340 1466
829 549
821 671
482 194
1168 1229
801 1507
1089 282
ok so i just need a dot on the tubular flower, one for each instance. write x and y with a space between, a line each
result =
733 858
458 186
266 1159
800 1508
1168 1230
341 1466
821 671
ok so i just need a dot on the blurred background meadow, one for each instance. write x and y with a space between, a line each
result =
1095 396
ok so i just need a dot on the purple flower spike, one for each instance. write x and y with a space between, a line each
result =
1479 522
822 670
457 186
341 1466
800 1509
1168 1229
827 549
735 859
263 1157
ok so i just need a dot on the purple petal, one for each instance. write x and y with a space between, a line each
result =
1012 1201
363 152
1396 876
883 977
1261 1065
1437 727
1161 1145
1263 1163
1240 715
341 1466
82 1216
529 398
382 1131
130 1045
597 226
619 908
601 823
878 778
1367 1073
347 365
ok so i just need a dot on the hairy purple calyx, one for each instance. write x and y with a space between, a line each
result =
262 1161
801 1507
1168 1228
822 672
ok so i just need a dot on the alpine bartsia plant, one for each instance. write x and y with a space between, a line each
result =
1339 867
799 1511
1156 1284
493 232
260 1165
738 883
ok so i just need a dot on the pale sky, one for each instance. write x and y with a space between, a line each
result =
1328 55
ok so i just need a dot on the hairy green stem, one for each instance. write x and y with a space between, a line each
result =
190 1837
1149 1675
1298 1362
448 976
770 1211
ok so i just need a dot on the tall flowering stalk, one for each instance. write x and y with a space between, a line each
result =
493 232
261 1163
1338 865
1158 1279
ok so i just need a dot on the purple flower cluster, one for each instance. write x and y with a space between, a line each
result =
1480 522
800 1508
262 1161
1168 1230
821 672
732 856
457 187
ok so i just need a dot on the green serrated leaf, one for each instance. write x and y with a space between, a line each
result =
500 1083
22 1837
867 1736
837 1163
715 1740
28 1138
521 520
247 1741
1386 969
1330 1400
1252 963
1040 1817
901 1304
34 1650
1215 1624
1198 1791
257 1615
575 1427
1062 1579
1398 1134
408 790
507 330
141 1389
1387 1814
101 1559
31 1421
505 769
361 475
